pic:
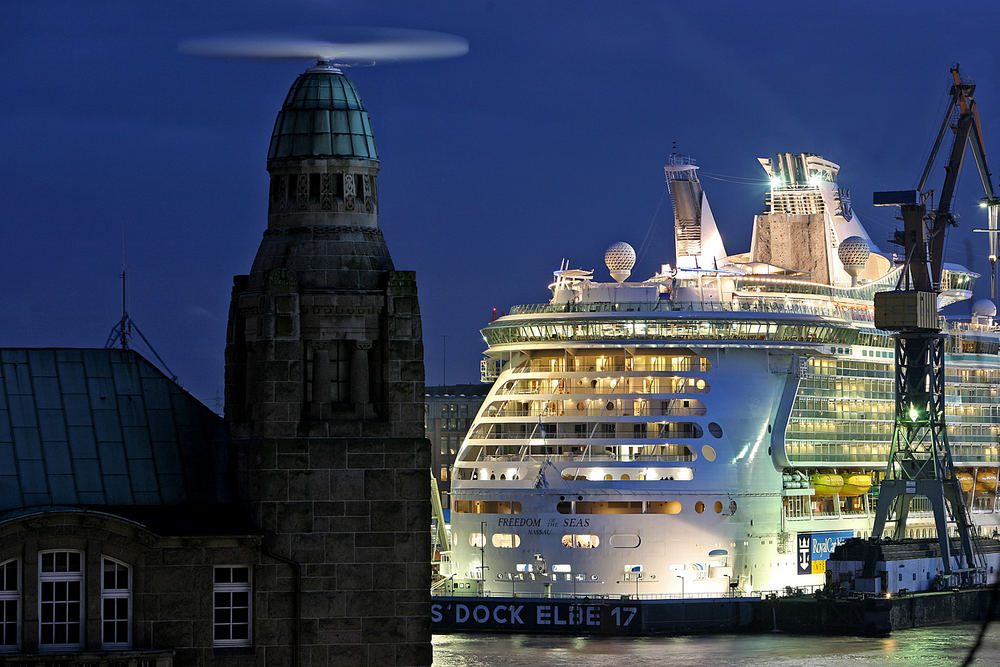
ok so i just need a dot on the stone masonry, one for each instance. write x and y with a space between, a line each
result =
324 397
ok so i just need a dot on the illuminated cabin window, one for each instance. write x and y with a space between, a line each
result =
477 540
663 507
718 507
486 506
610 507
577 541
620 507
506 540
699 507
666 473
708 452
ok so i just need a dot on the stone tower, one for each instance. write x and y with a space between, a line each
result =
324 393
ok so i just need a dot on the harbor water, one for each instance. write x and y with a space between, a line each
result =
938 645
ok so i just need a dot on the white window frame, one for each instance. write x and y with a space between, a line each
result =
117 594
55 578
229 588
7 595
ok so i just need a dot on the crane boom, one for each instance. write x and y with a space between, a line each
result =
920 461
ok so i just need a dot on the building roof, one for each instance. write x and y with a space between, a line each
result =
104 427
322 116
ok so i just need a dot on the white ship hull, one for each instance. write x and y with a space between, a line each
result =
660 448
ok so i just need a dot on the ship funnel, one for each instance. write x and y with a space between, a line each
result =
697 241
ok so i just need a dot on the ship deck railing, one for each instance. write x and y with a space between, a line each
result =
596 412
586 458
624 436
560 367
788 591
738 304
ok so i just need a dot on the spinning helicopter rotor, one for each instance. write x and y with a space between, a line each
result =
346 47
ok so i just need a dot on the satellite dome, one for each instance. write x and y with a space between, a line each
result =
984 308
620 258
853 253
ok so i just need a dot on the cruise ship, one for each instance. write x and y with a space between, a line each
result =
718 427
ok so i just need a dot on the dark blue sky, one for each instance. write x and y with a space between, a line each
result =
546 141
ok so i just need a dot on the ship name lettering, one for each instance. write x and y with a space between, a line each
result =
514 522
576 523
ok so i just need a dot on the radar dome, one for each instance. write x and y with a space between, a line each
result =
984 308
620 258
853 253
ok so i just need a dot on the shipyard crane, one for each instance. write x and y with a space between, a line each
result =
920 461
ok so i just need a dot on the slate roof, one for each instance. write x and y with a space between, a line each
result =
104 428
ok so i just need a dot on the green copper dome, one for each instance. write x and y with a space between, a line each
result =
322 117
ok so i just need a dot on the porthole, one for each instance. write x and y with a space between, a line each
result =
718 507
708 452
715 429
625 476
608 476
699 507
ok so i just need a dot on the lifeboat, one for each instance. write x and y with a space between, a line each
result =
856 485
986 481
965 480
826 485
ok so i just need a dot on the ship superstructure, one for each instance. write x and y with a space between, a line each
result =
718 426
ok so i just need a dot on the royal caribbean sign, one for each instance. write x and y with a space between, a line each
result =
813 548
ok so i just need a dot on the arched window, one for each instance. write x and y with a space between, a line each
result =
116 604
60 600
10 605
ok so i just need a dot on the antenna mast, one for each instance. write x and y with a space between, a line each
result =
122 331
